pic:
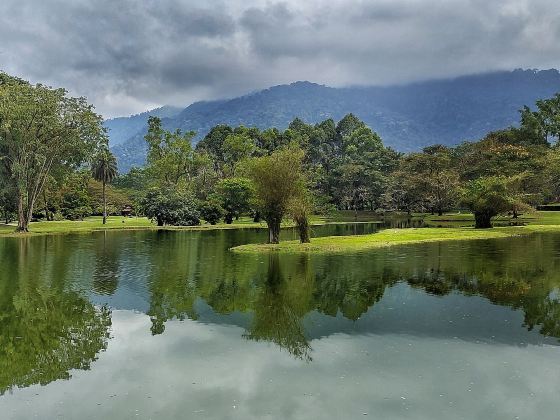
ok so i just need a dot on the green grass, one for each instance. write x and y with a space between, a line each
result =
95 223
458 219
390 237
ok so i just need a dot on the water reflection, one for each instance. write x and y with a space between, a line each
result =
54 320
280 305
45 330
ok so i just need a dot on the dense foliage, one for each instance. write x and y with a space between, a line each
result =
269 174
408 118
42 131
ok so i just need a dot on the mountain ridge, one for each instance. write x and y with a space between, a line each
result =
407 117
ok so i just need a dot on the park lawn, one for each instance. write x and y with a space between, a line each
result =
458 219
390 237
95 223
5 229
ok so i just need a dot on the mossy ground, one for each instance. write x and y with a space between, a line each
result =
389 237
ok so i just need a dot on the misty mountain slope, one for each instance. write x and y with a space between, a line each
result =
407 117
123 128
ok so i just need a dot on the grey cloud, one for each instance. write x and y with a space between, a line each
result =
129 55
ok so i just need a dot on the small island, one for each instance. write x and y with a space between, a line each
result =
391 237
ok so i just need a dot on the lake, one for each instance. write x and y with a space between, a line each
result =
171 325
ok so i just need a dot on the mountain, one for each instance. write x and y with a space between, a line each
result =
122 128
408 117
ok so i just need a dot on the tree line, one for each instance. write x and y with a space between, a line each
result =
55 163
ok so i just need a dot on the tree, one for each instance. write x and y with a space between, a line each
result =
543 124
170 207
488 197
430 178
212 211
235 148
171 158
278 178
76 202
235 195
213 142
7 196
7 204
41 129
104 170
300 208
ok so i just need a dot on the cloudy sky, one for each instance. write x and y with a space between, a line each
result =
130 55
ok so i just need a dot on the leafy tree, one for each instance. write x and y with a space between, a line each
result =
235 195
171 158
7 196
7 205
104 170
300 208
212 211
205 177
543 124
235 148
486 198
360 177
497 154
116 198
213 142
41 129
431 181
170 207
135 179
76 203
278 178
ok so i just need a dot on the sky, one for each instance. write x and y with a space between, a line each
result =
127 56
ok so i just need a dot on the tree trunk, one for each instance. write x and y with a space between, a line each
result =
483 220
302 225
228 218
159 222
440 213
273 230
104 204
46 205
515 213
23 222
257 217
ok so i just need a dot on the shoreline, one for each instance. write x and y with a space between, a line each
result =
391 237
73 227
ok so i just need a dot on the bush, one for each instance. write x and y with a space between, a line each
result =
168 207
212 211
76 204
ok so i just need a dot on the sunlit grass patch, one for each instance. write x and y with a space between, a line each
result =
391 237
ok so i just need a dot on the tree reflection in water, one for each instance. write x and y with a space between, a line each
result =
47 328
280 291
280 306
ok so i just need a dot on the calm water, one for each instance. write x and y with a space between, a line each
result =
165 325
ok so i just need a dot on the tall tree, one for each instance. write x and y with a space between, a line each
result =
104 170
40 129
171 158
278 179
235 195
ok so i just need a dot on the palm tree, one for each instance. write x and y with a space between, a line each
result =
104 170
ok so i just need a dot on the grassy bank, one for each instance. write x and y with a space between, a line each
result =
92 224
458 219
390 237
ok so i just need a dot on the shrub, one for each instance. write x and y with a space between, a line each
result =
212 211
169 207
